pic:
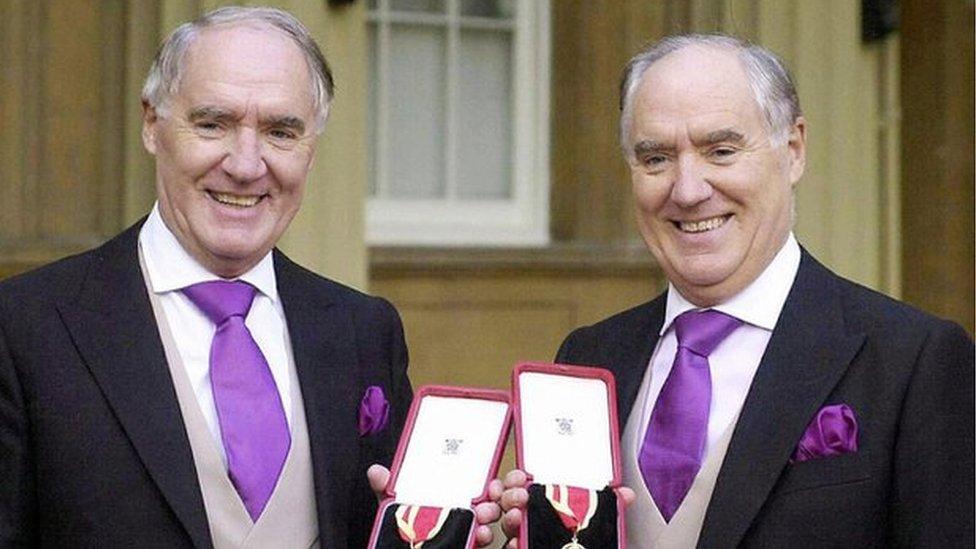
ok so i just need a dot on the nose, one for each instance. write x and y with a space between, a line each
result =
244 161
690 187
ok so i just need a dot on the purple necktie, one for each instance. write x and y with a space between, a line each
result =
674 444
252 420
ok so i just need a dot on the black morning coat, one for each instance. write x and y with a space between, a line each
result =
93 450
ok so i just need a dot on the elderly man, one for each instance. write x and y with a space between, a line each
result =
764 401
186 384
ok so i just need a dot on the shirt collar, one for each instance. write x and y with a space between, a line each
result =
759 303
171 268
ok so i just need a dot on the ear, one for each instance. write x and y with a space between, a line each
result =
797 146
312 147
150 120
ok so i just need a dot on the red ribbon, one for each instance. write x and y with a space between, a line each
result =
575 506
417 524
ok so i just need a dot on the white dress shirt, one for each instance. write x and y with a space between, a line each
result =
734 362
170 268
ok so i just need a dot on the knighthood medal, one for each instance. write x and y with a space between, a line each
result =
575 507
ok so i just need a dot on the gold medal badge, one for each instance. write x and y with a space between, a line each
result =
575 507
417 524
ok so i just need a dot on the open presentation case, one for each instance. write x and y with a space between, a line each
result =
449 451
567 443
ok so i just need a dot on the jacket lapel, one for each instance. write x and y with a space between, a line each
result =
807 355
112 326
637 343
323 344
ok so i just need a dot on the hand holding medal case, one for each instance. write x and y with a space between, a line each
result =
449 451
567 443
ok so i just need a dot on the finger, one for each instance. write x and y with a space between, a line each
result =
515 479
483 536
378 477
512 544
511 522
627 495
488 512
495 489
514 498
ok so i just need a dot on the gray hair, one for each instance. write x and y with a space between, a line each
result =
767 74
163 79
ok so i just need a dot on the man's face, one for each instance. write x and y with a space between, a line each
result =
714 195
233 145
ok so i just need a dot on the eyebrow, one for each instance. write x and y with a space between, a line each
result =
209 112
650 146
725 135
287 121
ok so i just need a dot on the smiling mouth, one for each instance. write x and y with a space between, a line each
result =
239 201
704 225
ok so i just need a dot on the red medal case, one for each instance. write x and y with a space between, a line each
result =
449 451
566 432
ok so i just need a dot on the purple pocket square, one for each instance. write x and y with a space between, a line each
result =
832 432
374 411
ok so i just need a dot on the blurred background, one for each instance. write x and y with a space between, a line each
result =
470 171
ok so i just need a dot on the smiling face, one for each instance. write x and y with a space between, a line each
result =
233 145
714 195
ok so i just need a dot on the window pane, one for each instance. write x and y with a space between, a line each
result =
484 115
433 6
503 9
372 112
415 157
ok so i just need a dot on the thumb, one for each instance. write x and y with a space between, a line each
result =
378 477
627 495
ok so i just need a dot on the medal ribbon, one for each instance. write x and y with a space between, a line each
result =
417 524
575 506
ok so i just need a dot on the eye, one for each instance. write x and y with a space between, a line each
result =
208 127
654 162
282 134
723 154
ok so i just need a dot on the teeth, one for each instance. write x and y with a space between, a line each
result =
702 226
235 200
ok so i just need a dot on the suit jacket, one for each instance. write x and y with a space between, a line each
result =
93 450
907 376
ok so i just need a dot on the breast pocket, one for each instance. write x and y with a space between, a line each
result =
828 471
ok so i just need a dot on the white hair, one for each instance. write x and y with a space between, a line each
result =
767 74
163 79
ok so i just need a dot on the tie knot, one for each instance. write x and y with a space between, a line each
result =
221 299
702 331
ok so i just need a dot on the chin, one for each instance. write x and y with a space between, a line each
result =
237 242
236 253
702 287
242 253
703 284
706 270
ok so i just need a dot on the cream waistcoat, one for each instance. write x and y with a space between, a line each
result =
645 526
289 520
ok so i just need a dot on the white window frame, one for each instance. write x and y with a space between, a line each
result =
523 218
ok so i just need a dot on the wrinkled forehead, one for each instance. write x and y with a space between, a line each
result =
248 52
696 80
696 72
